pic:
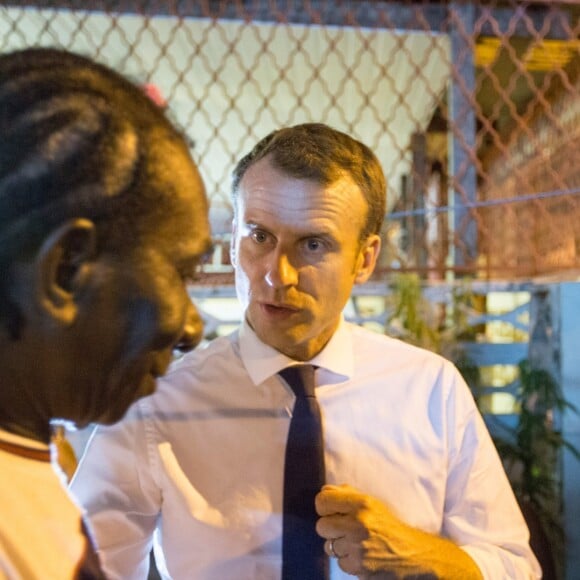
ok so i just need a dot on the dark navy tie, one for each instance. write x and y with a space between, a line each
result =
303 556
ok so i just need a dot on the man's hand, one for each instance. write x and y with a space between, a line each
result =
371 542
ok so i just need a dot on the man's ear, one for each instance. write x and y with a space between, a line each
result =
61 267
367 258
233 243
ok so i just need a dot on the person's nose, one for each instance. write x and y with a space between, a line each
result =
281 271
192 330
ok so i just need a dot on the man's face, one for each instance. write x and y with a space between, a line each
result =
139 308
297 254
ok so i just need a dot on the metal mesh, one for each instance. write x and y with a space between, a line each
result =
473 108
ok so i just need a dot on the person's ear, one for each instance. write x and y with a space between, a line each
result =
61 265
367 258
233 243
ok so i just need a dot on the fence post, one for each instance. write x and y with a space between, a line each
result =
462 141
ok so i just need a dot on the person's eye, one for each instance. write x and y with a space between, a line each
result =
259 236
314 244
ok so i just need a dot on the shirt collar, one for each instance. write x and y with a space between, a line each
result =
263 361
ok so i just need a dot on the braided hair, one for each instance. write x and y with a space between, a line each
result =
75 139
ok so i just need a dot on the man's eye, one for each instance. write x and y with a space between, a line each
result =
313 245
259 237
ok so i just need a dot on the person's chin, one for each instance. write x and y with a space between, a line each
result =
114 414
146 387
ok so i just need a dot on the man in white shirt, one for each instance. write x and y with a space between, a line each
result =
414 484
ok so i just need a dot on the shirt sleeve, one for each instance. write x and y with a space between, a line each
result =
481 511
114 484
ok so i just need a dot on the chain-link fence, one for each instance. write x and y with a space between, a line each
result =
473 108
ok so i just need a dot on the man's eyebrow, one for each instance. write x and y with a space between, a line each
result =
252 225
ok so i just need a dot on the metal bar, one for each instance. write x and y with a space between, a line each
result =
554 19
462 138
365 14
487 354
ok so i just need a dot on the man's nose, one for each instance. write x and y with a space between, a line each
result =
192 331
281 272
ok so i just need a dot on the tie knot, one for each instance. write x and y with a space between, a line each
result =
300 379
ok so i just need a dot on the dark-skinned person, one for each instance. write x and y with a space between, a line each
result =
412 485
103 220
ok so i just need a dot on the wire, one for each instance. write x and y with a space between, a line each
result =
480 204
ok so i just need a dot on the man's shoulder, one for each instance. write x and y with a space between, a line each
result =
365 336
377 346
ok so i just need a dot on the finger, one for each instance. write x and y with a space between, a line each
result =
335 526
331 548
349 563
334 499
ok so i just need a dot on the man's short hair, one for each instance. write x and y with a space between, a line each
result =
319 153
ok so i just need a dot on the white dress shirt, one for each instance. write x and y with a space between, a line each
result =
200 463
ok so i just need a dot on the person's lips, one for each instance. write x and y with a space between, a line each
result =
279 310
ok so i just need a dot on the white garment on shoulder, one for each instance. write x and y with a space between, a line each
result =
40 526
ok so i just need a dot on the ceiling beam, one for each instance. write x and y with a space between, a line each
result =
553 19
